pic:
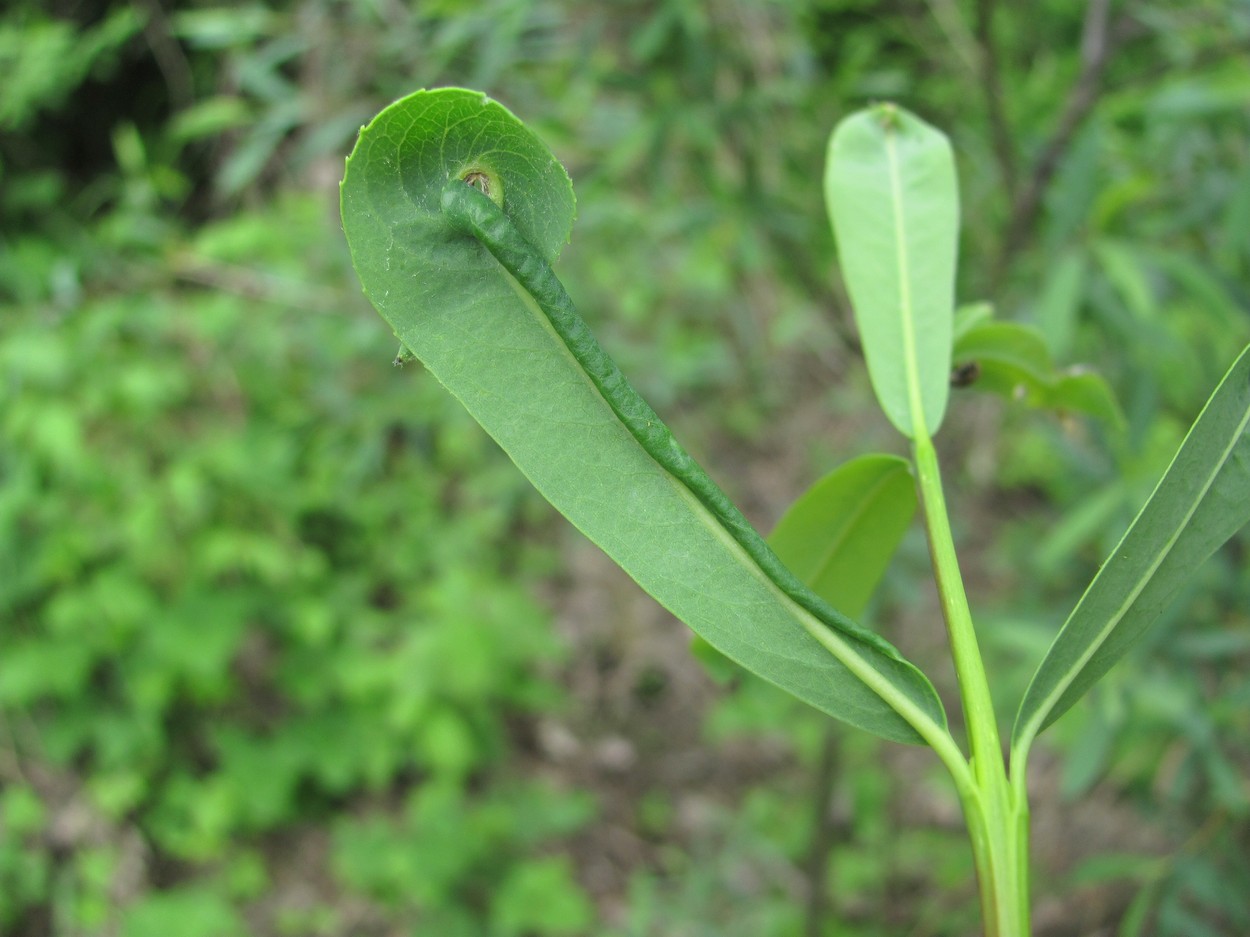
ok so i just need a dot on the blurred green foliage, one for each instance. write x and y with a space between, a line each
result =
235 580
234 572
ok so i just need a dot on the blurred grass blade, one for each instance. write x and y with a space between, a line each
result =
1203 499
893 201
840 535
461 272
1059 305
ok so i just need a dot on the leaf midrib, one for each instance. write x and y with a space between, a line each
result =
839 646
914 399
1061 687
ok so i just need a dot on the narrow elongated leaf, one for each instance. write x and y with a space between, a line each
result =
1058 306
894 204
840 535
1202 500
466 285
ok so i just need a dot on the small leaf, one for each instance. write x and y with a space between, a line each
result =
840 535
1085 392
1013 357
1203 499
1013 361
894 205
968 317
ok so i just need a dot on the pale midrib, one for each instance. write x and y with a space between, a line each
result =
907 313
1061 687
838 645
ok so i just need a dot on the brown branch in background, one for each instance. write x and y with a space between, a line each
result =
823 830
951 24
992 84
1096 47
167 52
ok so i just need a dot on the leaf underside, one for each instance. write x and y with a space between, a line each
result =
893 202
515 356
1201 501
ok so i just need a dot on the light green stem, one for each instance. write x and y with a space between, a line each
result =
996 813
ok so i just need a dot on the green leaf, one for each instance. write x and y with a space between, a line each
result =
840 535
467 287
1085 392
1202 500
1124 266
892 198
1201 284
192 910
1013 361
1012 357
541 896
968 317
1059 304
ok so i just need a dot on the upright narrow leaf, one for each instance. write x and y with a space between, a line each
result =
463 277
894 204
1202 500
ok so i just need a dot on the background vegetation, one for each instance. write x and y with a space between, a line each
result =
287 648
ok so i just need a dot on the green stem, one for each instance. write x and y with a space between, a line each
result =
996 813
974 687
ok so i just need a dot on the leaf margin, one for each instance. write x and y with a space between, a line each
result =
1049 696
